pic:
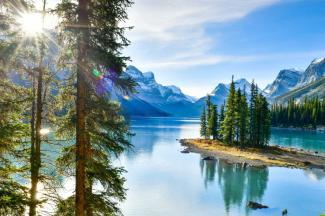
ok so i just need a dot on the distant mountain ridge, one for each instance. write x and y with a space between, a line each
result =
286 80
220 93
154 99
163 100
290 81
311 90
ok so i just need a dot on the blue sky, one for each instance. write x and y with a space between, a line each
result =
196 44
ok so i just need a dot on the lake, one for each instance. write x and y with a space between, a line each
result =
163 181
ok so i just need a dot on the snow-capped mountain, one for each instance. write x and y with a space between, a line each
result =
290 80
154 99
219 94
167 99
314 71
242 84
285 81
312 90
152 92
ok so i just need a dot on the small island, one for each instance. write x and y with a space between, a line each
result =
241 133
251 156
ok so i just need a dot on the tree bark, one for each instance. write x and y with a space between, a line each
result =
36 125
36 155
81 138
32 206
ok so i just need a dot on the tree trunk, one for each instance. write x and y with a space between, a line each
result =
81 138
36 125
36 162
32 206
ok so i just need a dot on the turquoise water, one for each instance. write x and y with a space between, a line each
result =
162 181
309 140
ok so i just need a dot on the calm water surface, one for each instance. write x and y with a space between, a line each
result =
162 181
310 140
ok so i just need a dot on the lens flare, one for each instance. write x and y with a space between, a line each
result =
105 81
44 131
31 23
96 73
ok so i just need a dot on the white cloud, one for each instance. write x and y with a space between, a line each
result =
176 28
161 19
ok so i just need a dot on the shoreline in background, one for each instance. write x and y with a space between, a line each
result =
270 156
317 129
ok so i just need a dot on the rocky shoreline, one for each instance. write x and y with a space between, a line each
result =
270 156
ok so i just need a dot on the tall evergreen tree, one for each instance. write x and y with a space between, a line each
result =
242 124
263 121
238 97
253 115
228 124
91 36
243 120
204 127
29 56
213 122
208 106
308 113
221 119
13 132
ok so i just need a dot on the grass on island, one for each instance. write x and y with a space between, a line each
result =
270 155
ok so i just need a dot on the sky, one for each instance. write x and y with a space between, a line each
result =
196 44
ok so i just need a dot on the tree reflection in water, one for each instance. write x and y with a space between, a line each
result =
238 183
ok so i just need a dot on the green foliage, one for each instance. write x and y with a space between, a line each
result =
253 122
228 124
263 118
108 137
213 122
242 124
306 114
13 198
204 128
13 131
243 119
107 133
221 119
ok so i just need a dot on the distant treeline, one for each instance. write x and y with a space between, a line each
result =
239 122
306 114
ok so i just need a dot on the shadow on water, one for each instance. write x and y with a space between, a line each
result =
239 184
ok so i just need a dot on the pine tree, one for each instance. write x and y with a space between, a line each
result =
228 124
30 58
91 36
203 128
266 126
237 109
221 119
208 106
253 115
13 132
212 122
244 120
309 113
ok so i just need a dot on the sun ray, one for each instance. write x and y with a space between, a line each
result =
31 23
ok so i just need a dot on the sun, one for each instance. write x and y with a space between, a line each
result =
31 23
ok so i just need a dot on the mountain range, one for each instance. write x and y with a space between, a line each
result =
291 83
154 99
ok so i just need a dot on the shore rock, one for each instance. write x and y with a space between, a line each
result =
255 205
285 212
185 151
208 158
